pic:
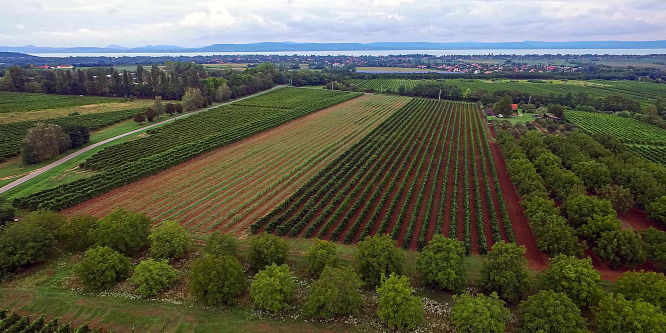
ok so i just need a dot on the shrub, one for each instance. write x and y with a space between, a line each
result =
441 264
479 314
657 210
615 314
574 277
335 293
592 173
22 243
396 306
597 225
222 244
273 288
649 287
555 238
581 208
102 267
267 249
152 276
620 197
46 220
654 242
377 256
321 254
169 241
550 312
217 280
74 235
621 248
504 271
122 231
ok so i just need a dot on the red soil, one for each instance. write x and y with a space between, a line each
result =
637 219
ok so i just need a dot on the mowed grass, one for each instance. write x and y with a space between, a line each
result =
231 187
59 112
13 102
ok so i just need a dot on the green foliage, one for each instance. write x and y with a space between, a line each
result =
562 182
397 307
169 241
479 314
621 248
441 263
320 255
217 280
620 197
46 219
581 208
75 234
593 174
6 211
504 271
503 106
597 225
574 277
335 293
43 142
657 210
23 243
220 244
376 257
615 314
273 288
559 238
122 231
654 242
649 287
152 276
550 312
267 249
102 267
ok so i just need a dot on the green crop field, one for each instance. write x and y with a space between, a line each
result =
628 130
11 102
392 84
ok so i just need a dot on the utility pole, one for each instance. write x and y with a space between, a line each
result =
440 94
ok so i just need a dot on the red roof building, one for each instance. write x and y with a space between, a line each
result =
514 107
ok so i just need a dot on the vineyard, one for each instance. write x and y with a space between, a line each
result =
389 84
140 160
238 184
11 102
427 169
13 322
656 154
13 133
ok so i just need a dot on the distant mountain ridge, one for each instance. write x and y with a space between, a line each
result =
290 46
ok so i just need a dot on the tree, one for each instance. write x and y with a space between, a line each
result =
139 118
75 234
78 135
6 212
558 238
479 314
657 210
504 271
273 288
335 293
649 287
158 106
574 277
14 79
621 248
267 249
503 106
556 110
654 242
593 174
377 256
397 307
222 244
193 99
47 220
222 93
217 280
320 255
580 209
122 231
593 229
562 182
615 314
169 241
150 277
179 107
150 114
170 109
550 312
23 243
441 263
43 142
620 197
102 267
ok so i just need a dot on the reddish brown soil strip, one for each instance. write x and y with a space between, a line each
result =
540 128
637 219
610 274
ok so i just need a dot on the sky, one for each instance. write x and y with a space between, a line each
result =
194 23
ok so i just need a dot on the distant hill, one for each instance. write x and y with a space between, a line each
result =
7 55
290 46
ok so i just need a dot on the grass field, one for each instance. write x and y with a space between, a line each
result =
237 184
11 102
35 115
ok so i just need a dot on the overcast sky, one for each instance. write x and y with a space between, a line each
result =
194 23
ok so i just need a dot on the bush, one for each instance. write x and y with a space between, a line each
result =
152 276
479 314
78 135
504 271
102 267
615 314
74 235
273 288
442 264
321 254
649 287
335 293
550 312
169 241
574 277
6 212
597 225
621 248
556 238
580 209
267 249
217 280
620 197
396 306
657 210
377 256
222 244
46 220
23 243
654 242
592 173
123 231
